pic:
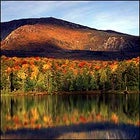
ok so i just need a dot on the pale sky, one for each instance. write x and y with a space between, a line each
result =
121 16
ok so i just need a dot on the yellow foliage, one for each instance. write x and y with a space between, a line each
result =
67 122
47 119
22 75
33 75
35 115
75 113
67 61
46 66
35 71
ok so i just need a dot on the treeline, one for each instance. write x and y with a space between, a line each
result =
50 75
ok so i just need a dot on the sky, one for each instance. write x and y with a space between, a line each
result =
121 16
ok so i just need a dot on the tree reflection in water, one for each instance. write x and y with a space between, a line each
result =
39 111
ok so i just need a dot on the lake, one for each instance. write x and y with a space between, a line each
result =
47 111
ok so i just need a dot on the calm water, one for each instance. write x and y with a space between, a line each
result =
50 110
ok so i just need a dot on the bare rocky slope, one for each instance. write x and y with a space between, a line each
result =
51 36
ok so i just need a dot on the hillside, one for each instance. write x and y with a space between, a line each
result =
59 38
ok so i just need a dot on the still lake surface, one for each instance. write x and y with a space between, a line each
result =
52 110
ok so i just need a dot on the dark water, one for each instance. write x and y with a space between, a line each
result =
47 110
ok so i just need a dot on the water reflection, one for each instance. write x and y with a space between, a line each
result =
66 109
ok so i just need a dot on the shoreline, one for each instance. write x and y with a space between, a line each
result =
96 130
20 93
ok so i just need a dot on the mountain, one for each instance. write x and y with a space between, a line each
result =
51 36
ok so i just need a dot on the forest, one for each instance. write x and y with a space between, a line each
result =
50 75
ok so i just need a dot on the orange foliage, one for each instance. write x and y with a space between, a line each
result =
138 123
36 58
82 64
15 119
65 118
114 118
25 66
38 126
16 68
98 117
57 119
113 67
64 71
75 71
8 70
24 62
8 118
82 119
90 118
97 67
73 119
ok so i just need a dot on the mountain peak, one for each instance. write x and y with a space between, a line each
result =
8 27
51 34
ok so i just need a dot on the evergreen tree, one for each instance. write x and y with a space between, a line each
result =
132 76
103 78
79 82
119 75
86 79
108 85
93 83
